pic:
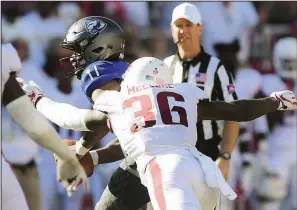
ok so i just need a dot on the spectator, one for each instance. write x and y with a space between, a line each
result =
223 32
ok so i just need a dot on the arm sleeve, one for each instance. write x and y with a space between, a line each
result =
11 90
224 85
64 115
108 102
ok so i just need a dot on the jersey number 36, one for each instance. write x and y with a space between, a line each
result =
164 109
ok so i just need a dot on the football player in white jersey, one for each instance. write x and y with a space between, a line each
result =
176 129
280 179
38 128
169 131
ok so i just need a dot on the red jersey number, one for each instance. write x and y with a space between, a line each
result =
164 109
145 112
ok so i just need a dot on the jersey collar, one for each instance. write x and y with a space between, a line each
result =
198 58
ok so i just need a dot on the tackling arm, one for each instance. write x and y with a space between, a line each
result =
62 114
241 110
71 117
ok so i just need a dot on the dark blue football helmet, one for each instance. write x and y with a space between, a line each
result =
91 39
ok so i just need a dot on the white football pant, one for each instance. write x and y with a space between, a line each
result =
176 181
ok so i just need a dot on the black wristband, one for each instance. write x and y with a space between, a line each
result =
225 155
38 99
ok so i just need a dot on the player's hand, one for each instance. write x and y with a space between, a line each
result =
11 58
72 147
71 174
86 160
224 165
32 90
286 100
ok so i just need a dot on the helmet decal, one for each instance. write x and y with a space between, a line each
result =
95 26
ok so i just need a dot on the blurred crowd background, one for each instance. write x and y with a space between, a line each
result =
36 29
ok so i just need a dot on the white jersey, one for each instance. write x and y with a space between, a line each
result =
4 77
152 120
11 62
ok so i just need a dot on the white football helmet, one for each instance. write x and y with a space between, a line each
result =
285 57
146 70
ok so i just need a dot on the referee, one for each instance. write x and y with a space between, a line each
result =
191 64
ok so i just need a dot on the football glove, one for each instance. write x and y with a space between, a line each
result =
32 90
286 100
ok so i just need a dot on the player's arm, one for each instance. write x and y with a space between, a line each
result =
90 138
246 110
62 114
37 127
98 131
110 153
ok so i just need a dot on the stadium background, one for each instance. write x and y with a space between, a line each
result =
37 28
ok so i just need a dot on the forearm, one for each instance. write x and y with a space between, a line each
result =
89 139
110 153
68 116
241 110
37 127
230 135
255 108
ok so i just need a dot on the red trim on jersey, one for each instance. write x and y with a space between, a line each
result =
156 175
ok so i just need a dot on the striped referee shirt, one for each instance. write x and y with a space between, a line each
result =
209 74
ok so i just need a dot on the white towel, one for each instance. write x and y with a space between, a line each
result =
213 175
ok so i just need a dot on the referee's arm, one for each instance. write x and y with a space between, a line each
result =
223 85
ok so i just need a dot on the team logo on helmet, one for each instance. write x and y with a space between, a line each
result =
95 26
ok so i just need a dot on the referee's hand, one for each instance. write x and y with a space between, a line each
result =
224 165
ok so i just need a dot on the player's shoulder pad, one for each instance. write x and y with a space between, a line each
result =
248 83
168 60
100 72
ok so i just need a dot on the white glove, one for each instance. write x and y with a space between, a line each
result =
71 174
32 90
11 58
286 100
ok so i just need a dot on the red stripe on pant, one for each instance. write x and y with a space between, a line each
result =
155 171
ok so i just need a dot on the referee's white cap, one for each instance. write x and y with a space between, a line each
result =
187 11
